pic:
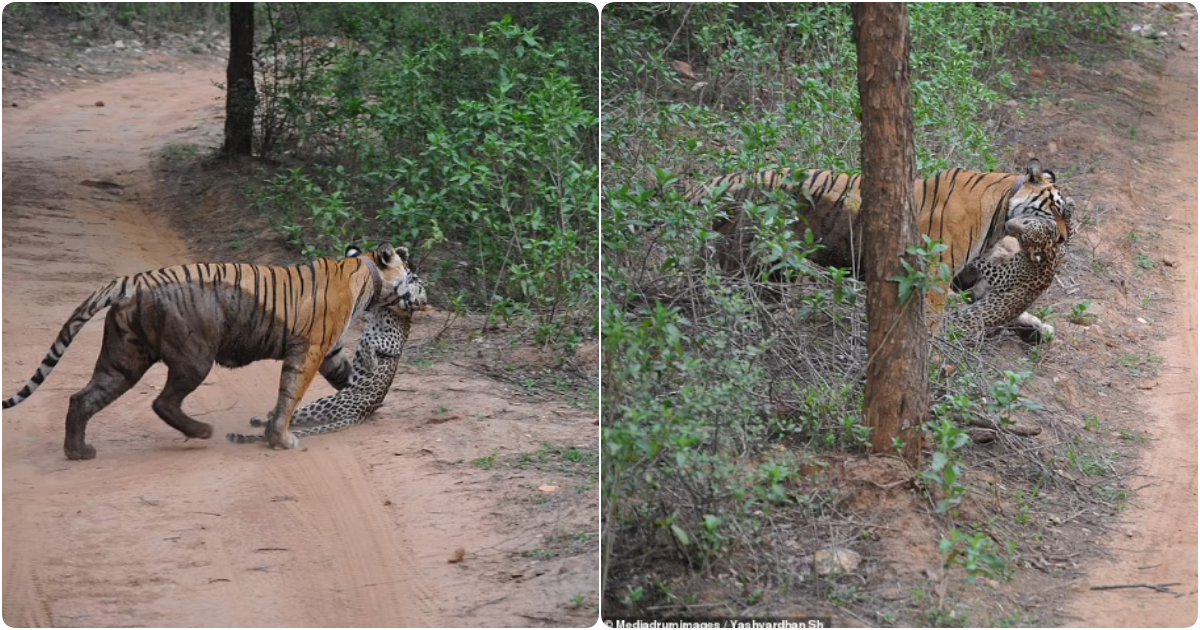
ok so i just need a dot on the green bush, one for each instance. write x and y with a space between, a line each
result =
474 150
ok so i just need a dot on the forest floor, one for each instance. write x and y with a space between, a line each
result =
1110 538
469 500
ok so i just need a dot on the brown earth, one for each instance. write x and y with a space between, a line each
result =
355 528
1155 543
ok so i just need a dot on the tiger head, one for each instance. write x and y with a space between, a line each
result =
1035 195
398 285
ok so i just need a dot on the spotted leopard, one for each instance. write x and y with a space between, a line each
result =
373 370
1011 278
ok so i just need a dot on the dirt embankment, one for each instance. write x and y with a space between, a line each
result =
354 529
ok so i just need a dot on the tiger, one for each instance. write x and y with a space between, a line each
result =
965 210
191 316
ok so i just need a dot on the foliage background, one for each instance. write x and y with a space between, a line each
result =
467 131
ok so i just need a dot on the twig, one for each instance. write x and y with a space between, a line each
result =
1161 588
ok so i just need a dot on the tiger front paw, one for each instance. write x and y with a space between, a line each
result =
286 441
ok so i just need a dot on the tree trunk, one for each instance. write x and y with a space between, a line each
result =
897 392
240 95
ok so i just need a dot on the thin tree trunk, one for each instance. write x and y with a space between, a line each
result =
897 392
240 95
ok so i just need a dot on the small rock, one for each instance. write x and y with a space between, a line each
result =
1163 34
1055 519
1011 103
1052 147
1025 430
835 560
457 556
1183 46
99 103
982 436
1142 321
119 45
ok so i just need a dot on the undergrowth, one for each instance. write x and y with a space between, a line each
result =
728 401
461 132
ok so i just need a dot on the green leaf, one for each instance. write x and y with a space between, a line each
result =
680 535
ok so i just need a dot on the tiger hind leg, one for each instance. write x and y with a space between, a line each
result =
183 377
121 365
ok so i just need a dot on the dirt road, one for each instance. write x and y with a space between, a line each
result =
1156 541
353 530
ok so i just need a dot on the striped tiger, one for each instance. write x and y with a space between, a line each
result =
965 210
191 316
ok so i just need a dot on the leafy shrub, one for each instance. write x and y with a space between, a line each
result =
474 149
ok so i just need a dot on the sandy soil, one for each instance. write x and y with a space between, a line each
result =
1156 544
354 529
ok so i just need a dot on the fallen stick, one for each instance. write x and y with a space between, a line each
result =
1161 588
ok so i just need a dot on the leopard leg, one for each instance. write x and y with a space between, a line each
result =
1031 329
337 367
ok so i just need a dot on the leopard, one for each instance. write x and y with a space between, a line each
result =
373 370
1010 278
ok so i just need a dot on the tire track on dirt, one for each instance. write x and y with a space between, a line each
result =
365 592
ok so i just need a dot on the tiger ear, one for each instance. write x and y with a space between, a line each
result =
1035 173
353 251
403 253
386 254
